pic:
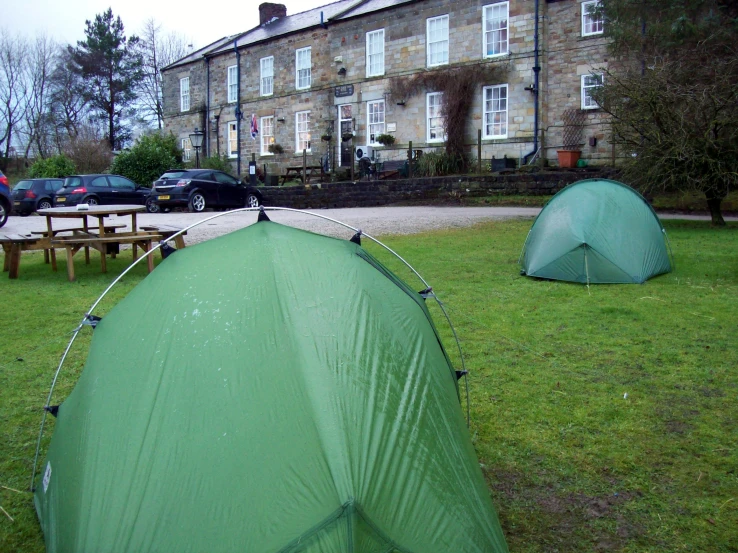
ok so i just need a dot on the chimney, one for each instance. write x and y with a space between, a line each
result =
269 11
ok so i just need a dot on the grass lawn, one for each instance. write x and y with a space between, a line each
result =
573 463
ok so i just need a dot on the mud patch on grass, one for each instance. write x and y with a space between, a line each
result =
575 521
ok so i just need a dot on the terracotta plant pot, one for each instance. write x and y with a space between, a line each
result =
568 158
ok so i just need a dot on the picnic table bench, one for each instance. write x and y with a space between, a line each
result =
295 173
13 245
167 231
78 241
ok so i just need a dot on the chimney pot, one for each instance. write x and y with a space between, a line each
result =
269 11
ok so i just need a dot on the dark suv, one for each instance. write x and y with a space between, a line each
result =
32 194
198 189
100 190
6 204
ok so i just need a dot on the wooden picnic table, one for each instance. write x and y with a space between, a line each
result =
101 241
295 173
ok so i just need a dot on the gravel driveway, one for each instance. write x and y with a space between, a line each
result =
375 221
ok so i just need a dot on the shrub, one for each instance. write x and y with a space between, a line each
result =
89 155
275 149
438 164
151 156
385 139
52 167
218 163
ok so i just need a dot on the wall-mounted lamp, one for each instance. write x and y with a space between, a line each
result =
280 119
530 88
342 71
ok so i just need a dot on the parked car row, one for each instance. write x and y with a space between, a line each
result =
195 190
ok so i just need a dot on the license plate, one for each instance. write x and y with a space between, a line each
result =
17 203
61 199
163 198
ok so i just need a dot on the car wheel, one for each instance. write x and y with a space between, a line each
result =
43 204
91 201
252 200
152 206
197 202
3 214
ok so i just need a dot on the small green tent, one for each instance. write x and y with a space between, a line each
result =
271 390
596 231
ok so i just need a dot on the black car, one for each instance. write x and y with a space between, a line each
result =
6 204
32 194
100 190
198 189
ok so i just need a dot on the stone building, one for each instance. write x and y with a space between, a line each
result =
330 71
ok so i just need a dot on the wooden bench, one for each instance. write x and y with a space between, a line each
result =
392 169
14 244
167 231
311 171
78 241
73 230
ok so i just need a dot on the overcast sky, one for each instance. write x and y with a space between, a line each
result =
202 23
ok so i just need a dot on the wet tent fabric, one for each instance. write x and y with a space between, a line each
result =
596 231
271 390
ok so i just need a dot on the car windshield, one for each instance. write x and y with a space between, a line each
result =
23 185
172 174
72 181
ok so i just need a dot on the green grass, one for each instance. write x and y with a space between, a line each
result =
572 464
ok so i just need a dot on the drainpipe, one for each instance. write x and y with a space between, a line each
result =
207 110
536 87
239 114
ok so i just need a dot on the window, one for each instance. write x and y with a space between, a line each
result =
302 66
495 111
186 149
232 83
375 53
184 94
592 20
434 121
589 83
495 29
375 120
267 134
267 76
302 131
121 183
232 139
437 38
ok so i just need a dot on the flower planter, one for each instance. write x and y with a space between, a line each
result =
568 158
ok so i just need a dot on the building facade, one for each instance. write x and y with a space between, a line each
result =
295 80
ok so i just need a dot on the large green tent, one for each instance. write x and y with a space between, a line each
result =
271 390
596 231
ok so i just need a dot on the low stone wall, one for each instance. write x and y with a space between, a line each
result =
436 190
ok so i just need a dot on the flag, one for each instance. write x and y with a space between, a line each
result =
254 128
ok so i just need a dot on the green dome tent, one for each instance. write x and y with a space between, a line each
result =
596 231
271 390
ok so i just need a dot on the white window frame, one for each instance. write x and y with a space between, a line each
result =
375 53
186 149
494 114
266 86
266 126
302 128
375 120
184 94
592 24
231 138
438 102
441 41
500 31
587 101
232 85
301 65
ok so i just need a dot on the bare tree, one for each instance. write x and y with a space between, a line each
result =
157 50
37 124
69 109
13 89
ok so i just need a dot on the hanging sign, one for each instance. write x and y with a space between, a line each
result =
344 90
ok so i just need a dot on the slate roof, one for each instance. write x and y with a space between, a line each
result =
337 11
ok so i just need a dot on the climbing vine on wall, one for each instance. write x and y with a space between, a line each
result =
460 85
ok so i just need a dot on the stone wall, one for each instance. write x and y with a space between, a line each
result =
426 191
